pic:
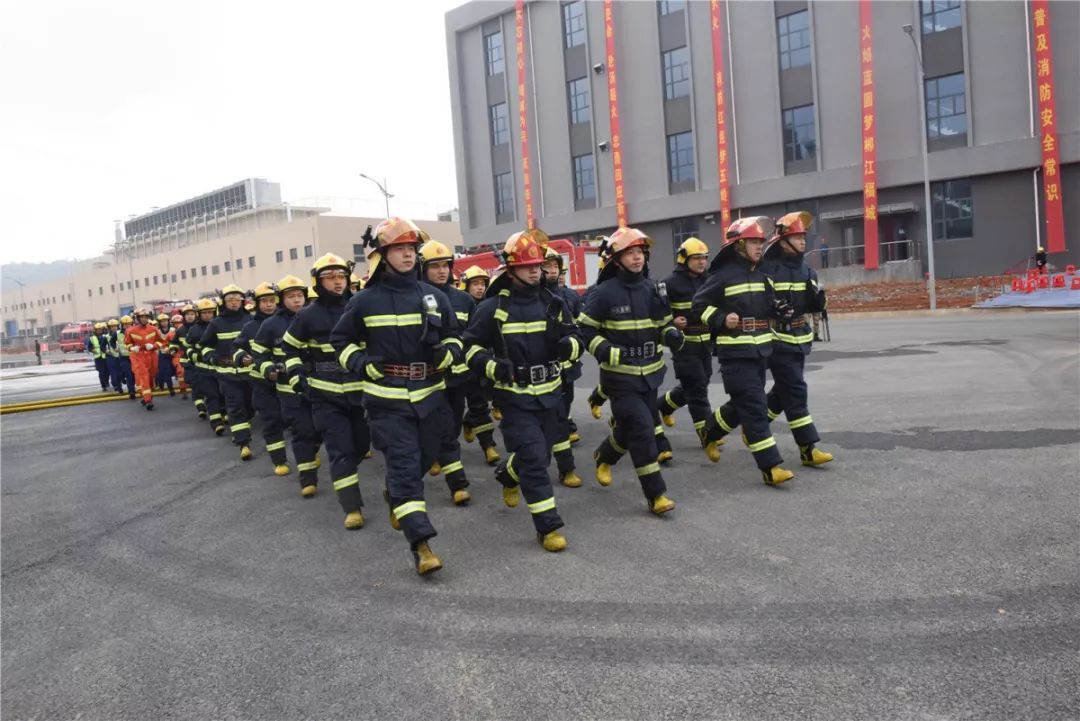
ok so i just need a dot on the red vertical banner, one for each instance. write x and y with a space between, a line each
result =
721 114
523 111
1047 127
613 110
869 135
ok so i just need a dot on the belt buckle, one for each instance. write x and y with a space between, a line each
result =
417 371
537 373
749 323
648 350
554 369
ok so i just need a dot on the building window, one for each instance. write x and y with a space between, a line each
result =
573 18
203 269
293 255
100 290
358 251
676 73
279 255
504 194
500 124
680 148
112 287
228 266
183 275
89 294
946 108
155 280
251 261
146 282
493 52
215 270
309 250
136 282
584 177
577 92
952 209
794 33
683 228
800 140
174 277
938 15
239 263
671 6
193 273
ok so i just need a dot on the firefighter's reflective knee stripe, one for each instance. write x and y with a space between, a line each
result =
276 446
452 468
670 403
548 504
215 416
309 466
773 414
510 468
658 431
410 507
648 469
762 445
347 481
698 425
240 427
800 422
721 422
483 428
615 446
561 446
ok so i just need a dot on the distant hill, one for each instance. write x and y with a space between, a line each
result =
31 273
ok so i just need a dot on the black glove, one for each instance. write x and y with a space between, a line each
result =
821 302
783 309
302 388
447 356
500 370
674 339
567 347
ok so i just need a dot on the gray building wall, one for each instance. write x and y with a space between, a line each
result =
998 153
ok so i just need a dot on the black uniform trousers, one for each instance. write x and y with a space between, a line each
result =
102 367
478 415
568 402
409 445
211 393
344 429
788 395
744 381
449 456
530 435
233 390
296 413
633 427
265 400
191 377
693 368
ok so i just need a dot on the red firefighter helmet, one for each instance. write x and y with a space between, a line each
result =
522 249
397 231
743 229
795 223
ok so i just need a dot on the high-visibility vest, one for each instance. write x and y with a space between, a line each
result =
95 347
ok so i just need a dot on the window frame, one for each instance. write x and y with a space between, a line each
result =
580 174
792 143
573 24
670 68
579 113
930 11
499 125
938 100
940 200
504 202
676 152
494 55
784 35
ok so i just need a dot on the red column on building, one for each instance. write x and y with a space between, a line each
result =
613 111
1047 127
523 111
869 135
721 114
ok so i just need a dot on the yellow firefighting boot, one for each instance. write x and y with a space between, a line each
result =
369 454
511 496
664 456
574 437
596 411
354 520
318 459
245 453
219 430
552 541
308 491
496 414
776 475
813 457
669 420
468 434
462 497
491 455
426 560
570 479
603 474
281 469
435 469
661 504
394 523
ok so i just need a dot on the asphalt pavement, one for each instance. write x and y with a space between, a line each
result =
930 572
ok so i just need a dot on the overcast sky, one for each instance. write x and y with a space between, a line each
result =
109 107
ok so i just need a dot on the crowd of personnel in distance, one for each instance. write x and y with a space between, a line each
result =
412 359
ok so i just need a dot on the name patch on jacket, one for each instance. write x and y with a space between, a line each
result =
620 310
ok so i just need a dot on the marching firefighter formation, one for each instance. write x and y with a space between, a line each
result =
413 359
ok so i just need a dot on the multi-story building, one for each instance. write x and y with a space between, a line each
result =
241 234
794 99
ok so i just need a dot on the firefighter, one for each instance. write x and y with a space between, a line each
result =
478 425
552 271
737 302
144 341
437 267
183 344
124 355
625 322
97 347
295 407
216 352
399 336
519 339
336 399
112 356
355 283
175 354
692 364
1040 260
164 368
797 283
263 394
206 380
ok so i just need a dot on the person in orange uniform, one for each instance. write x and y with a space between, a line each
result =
144 340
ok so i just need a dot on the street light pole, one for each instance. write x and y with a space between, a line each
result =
22 302
927 209
382 188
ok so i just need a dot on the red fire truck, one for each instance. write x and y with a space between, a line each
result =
73 336
581 262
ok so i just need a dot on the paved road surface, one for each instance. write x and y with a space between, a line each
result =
931 573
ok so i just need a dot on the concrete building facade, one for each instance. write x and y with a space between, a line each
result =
793 98
189 260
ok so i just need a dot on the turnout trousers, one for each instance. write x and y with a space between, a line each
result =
211 395
633 427
744 381
409 445
142 364
345 431
529 436
127 375
266 404
692 371
478 415
101 365
296 414
232 390
788 395
163 378
449 456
